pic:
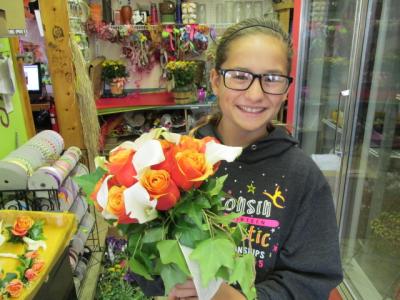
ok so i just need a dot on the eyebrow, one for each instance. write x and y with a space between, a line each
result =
277 72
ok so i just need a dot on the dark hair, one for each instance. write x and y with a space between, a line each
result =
267 26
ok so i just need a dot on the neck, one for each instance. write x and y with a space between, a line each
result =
232 137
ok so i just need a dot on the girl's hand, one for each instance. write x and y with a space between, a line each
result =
186 291
225 291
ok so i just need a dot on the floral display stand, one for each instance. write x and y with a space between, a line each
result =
58 229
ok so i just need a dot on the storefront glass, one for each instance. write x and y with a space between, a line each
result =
349 121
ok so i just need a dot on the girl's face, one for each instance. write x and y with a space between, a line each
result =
247 113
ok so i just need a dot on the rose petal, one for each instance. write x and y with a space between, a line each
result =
216 152
150 153
102 199
125 145
138 204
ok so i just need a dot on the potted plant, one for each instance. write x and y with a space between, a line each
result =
181 75
114 73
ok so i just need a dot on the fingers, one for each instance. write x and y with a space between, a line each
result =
186 291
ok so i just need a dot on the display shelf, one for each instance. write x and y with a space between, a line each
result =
376 153
158 26
155 107
331 124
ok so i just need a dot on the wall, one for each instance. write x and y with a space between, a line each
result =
15 133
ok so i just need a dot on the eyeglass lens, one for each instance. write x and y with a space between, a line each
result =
270 83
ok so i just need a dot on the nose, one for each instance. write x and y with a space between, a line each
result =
255 92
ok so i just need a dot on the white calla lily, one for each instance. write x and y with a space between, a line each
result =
150 153
216 152
100 162
102 199
172 137
138 204
124 145
34 245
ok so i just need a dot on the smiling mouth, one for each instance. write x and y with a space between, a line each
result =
253 110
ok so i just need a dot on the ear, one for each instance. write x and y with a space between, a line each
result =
215 80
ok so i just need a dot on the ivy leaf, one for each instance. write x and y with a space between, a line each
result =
189 236
153 235
241 275
133 242
170 252
138 268
227 219
210 264
216 185
223 273
171 275
194 209
88 182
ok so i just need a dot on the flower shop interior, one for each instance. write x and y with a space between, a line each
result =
80 77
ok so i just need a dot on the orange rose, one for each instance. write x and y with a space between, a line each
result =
31 274
120 165
22 225
187 142
31 254
38 265
190 170
14 288
115 204
160 186
169 151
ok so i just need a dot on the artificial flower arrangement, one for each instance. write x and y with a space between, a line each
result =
181 73
159 191
114 73
24 230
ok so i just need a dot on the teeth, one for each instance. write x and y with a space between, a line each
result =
251 109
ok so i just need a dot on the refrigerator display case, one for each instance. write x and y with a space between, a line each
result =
348 119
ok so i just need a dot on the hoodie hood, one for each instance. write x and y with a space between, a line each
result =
273 144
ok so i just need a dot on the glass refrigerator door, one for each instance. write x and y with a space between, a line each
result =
370 215
348 120
325 52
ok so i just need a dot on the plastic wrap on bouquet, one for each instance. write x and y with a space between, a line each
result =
203 293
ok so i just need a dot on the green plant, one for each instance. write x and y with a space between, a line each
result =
113 70
181 72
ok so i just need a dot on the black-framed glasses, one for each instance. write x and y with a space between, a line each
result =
273 84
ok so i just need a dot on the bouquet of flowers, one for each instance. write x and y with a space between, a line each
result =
159 191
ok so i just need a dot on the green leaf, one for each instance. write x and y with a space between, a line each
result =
138 268
88 182
210 264
227 219
193 208
153 235
36 231
244 274
133 242
189 236
223 273
170 252
171 275
9 276
217 185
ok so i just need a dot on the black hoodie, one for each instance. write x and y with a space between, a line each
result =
288 205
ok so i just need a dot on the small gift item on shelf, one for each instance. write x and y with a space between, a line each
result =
181 75
189 13
167 11
114 74
154 14
126 14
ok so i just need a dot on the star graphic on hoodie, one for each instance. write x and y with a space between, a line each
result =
251 188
